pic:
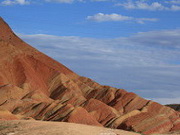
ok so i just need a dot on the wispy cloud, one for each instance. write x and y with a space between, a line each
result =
26 2
14 2
100 17
173 1
71 1
146 63
154 6
148 48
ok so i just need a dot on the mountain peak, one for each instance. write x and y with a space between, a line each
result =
7 35
3 24
5 31
1 19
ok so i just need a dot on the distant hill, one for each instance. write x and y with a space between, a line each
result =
174 106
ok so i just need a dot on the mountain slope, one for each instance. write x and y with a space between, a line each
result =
34 86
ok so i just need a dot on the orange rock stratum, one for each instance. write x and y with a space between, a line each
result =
34 86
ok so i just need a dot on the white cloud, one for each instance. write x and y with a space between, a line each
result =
60 1
100 17
14 2
143 5
147 63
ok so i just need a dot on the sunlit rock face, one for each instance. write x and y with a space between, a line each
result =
34 86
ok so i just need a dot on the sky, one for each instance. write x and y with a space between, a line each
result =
129 44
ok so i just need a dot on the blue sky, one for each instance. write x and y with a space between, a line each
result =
127 44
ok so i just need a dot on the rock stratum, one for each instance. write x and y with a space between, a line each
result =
34 86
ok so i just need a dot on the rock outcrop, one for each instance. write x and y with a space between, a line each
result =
34 86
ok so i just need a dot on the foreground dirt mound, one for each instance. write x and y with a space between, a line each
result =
55 128
34 86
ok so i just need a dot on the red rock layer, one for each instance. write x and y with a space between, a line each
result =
34 86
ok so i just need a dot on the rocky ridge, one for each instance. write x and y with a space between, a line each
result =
34 86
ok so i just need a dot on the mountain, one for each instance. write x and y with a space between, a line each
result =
34 86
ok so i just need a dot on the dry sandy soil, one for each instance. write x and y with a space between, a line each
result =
31 127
